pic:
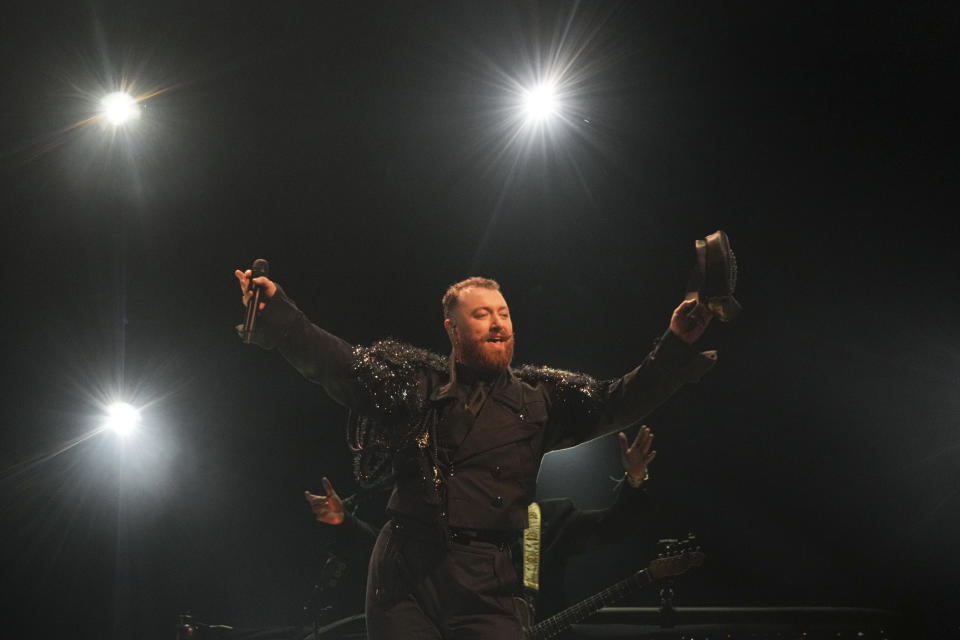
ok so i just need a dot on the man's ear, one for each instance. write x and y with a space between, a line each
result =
449 325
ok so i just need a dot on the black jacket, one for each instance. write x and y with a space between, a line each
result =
466 449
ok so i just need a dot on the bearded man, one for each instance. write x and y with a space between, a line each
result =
461 440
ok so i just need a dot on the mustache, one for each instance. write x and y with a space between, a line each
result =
506 337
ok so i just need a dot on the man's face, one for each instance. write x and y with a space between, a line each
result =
481 330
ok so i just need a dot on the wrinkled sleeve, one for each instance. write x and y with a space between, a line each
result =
618 403
318 355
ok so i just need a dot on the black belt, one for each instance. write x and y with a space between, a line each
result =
459 535
467 536
416 529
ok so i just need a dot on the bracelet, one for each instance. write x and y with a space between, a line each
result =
635 482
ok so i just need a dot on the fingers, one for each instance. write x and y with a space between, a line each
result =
653 454
643 433
624 447
696 312
320 505
690 312
700 315
327 509
243 279
314 498
681 315
686 306
643 440
328 488
247 282
690 320
647 440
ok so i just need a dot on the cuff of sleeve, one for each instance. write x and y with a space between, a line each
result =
636 483
675 354
631 498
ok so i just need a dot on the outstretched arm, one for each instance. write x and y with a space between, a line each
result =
318 355
620 402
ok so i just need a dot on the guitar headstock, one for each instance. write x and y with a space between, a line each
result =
676 556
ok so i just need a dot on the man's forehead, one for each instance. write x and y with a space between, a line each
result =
481 297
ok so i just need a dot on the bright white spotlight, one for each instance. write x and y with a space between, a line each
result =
540 103
123 418
119 108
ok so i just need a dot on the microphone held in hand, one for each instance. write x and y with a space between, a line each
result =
260 268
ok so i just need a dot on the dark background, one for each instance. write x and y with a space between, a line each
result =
366 150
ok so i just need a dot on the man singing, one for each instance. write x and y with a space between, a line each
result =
462 440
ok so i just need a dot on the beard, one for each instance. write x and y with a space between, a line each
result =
481 356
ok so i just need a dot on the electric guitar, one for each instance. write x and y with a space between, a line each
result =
676 557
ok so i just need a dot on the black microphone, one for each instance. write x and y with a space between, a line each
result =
260 268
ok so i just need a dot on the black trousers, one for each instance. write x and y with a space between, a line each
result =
421 587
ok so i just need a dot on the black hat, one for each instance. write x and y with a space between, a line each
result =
714 276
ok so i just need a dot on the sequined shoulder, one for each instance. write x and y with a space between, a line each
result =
566 384
389 372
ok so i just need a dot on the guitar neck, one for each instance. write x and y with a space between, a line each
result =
586 608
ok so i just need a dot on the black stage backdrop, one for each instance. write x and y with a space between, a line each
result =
371 152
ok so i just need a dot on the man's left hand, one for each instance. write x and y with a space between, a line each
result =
690 320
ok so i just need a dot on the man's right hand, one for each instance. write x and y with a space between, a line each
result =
328 508
269 286
637 457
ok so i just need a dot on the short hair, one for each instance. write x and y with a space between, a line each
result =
452 297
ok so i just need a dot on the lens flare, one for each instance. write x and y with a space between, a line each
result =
120 108
123 418
541 103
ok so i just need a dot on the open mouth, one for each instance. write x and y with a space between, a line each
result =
499 339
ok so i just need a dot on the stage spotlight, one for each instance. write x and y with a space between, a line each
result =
119 108
540 103
123 418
